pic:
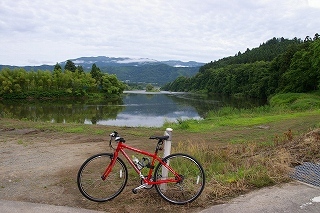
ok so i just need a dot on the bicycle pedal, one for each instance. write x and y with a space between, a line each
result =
134 191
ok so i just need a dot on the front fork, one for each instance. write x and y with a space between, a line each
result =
110 166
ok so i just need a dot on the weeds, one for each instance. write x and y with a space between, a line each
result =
236 168
296 101
237 156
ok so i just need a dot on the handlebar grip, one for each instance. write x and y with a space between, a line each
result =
114 134
119 139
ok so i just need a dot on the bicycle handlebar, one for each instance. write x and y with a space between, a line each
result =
160 137
116 137
114 134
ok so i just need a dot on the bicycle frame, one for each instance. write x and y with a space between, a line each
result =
147 180
178 178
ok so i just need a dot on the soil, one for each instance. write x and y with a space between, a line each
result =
41 167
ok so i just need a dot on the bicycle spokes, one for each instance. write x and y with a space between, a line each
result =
178 178
191 179
93 187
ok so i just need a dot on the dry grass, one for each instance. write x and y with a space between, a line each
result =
234 169
236 160
231 170
305 148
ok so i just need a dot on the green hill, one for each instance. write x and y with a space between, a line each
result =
279 65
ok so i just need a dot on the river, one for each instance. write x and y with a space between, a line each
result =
136 108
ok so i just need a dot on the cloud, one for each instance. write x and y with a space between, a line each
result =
54 31
313 3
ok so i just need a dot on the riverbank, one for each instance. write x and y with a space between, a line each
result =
40 160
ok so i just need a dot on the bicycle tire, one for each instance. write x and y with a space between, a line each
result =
189 188
89 179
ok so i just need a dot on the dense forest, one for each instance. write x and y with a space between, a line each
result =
18 83
279 65
140 71
157 74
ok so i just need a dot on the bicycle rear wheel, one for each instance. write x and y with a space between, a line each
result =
91 184
193 179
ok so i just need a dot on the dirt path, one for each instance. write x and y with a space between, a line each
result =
33 164
41 167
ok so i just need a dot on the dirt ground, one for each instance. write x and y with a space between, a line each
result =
41 167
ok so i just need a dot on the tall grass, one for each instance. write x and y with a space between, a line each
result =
296 101
236 168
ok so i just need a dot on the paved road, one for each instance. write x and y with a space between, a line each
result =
294 197
25 207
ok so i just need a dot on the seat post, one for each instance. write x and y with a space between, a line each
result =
167 143
167 151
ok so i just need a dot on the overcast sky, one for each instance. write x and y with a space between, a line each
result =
35 32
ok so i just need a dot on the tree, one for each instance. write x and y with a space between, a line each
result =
111 86
80 69
149 87
18 83
70 66
57 67
307 39
303 74
96 74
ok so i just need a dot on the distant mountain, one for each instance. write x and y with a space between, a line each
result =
29 68
150 73
134 70
103 61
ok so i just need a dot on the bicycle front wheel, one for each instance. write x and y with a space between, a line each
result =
91 184
191 185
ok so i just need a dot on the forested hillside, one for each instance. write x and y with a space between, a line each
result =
130 70
279 65
70 82
156 74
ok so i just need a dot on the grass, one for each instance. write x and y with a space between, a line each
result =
254 160
296 101
232 169
240 149
233 117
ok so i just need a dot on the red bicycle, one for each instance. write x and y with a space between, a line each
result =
178 178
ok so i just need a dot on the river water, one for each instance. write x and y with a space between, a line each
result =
137 108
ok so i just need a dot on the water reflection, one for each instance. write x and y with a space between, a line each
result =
60 111
150 109
135 109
